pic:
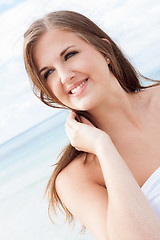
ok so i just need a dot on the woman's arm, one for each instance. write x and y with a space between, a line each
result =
128 210
129 215
85 199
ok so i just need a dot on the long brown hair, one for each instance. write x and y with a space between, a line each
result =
127 76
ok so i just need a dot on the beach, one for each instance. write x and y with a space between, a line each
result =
25 168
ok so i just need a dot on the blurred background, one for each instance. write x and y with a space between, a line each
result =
32 134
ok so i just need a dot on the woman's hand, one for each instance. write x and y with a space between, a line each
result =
84 136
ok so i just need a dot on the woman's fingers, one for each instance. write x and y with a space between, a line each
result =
83 135
73 121
79 132
86 121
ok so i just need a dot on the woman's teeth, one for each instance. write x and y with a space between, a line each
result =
78 87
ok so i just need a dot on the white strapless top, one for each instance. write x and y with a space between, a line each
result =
151 190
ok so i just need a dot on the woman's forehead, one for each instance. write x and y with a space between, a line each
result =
55 41
59 36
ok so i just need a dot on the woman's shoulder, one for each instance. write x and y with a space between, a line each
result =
151 95
155 89
74 171
84 168
155 95
83 172
82 195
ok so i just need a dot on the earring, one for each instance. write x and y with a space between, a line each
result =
108 60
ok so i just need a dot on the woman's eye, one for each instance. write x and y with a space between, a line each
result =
68 55
47 73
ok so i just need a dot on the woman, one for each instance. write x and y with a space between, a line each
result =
113 127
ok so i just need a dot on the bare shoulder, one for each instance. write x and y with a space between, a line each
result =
73 172
155 90
74 178
155 97
83 197
151 95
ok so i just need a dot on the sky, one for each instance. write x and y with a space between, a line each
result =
133 24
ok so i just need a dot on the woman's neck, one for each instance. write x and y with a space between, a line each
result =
119 112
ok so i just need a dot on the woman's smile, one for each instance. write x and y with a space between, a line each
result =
76 91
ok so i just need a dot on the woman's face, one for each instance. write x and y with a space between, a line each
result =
76 73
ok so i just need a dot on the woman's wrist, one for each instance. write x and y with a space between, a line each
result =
102 143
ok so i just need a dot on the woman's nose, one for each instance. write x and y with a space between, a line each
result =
66 76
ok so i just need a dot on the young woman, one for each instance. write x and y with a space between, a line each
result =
109 176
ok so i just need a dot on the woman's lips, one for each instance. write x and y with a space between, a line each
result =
76 86
79 89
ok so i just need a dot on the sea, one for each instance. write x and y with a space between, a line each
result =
26 164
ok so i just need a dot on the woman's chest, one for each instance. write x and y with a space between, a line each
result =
141 153
140 147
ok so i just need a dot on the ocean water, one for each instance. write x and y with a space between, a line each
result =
25 167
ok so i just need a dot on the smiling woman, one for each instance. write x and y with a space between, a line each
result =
113 127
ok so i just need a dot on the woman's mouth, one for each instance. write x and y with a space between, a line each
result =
77 89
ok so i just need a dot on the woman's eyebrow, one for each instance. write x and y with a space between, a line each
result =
61 54
44 68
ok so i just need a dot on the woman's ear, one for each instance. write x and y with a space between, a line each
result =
106 40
